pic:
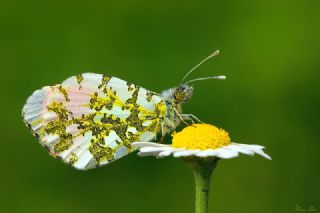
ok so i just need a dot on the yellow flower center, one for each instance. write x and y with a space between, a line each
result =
200 136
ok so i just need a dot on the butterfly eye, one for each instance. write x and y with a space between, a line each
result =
180 95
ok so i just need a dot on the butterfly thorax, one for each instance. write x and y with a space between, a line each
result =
174 98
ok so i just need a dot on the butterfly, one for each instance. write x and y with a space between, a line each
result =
90 120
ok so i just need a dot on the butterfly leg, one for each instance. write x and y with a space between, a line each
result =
187 118
180 117
192 117
162 129
162 133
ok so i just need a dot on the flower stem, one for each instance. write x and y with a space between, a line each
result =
202 171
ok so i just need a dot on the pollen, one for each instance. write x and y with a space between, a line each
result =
201 136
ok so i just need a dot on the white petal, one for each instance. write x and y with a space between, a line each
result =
254 148
184 152
148 144
207 153
263 154
239 148
165 153
226 153
144 154
251 146
153 149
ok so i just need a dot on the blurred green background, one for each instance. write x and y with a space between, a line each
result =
269 52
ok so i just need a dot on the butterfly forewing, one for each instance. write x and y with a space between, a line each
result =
92 119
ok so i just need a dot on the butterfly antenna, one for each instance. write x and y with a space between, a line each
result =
204 60
221 77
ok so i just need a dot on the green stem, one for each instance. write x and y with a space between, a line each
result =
202 170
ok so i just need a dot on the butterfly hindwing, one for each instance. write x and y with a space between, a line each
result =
92 119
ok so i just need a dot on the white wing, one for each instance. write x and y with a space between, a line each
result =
91 119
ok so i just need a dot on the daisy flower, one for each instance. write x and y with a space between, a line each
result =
200 140
201 146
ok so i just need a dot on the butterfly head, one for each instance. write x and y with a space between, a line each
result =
182 93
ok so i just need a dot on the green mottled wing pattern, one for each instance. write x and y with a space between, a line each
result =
91 119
